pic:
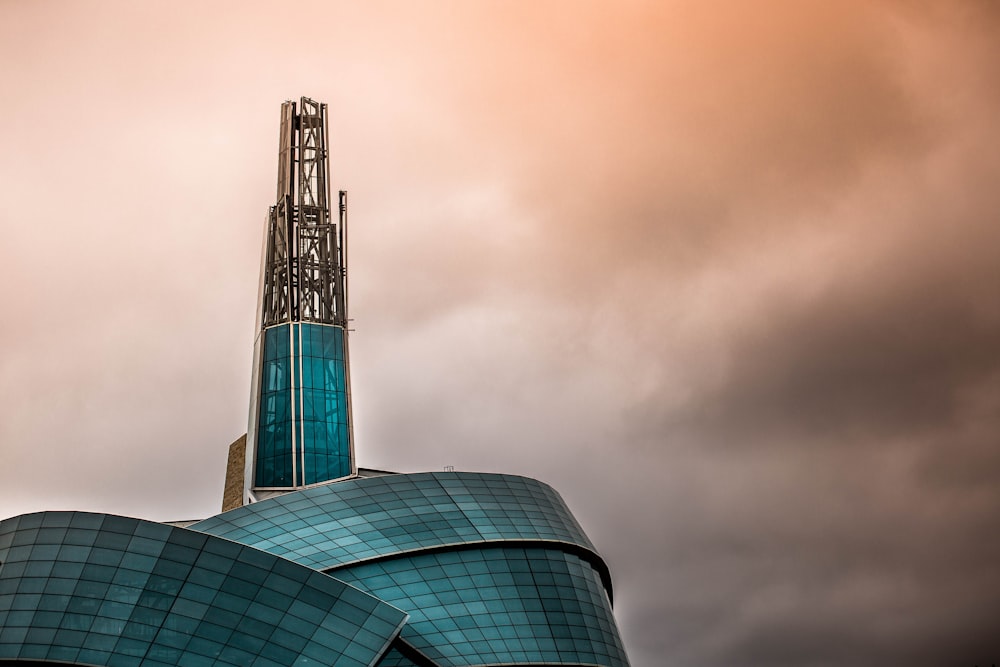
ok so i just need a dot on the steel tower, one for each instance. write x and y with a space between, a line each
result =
375 569
299 432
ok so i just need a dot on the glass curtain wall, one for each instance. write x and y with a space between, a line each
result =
302 432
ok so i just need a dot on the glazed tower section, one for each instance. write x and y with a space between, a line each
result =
299 432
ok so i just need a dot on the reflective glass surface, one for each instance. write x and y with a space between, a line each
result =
339 524
106 590
497 605
324 402
274 429
493 569
303 397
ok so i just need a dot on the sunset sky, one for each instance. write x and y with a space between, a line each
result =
725 274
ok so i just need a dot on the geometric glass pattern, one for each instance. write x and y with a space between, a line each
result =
360 519
315 564
98 589
497 606
492 569
302 430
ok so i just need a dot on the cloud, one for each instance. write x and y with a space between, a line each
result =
722 273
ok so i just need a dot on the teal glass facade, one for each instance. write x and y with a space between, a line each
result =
312 564
360 519
444 569
492 569
498 606
97 589
303 433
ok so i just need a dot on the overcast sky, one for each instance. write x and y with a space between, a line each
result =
726 274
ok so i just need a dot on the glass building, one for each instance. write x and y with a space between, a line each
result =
300 427
313 561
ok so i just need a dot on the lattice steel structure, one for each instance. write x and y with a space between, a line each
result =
300 419
312 561
304 267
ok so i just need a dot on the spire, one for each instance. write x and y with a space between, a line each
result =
300 418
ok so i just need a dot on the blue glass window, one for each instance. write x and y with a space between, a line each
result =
274 428
457 621
198 601
303 396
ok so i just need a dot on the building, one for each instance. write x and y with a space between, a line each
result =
313 561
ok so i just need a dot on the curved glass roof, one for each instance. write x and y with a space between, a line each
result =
498 605
99 589
362 519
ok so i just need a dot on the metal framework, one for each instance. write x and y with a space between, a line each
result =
305 273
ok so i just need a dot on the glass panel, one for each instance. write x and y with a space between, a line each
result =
319 394
195 599
326 439
459 622
274 445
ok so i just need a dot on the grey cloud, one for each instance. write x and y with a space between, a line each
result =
848 363
573 247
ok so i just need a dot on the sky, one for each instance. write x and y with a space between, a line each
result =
725 274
